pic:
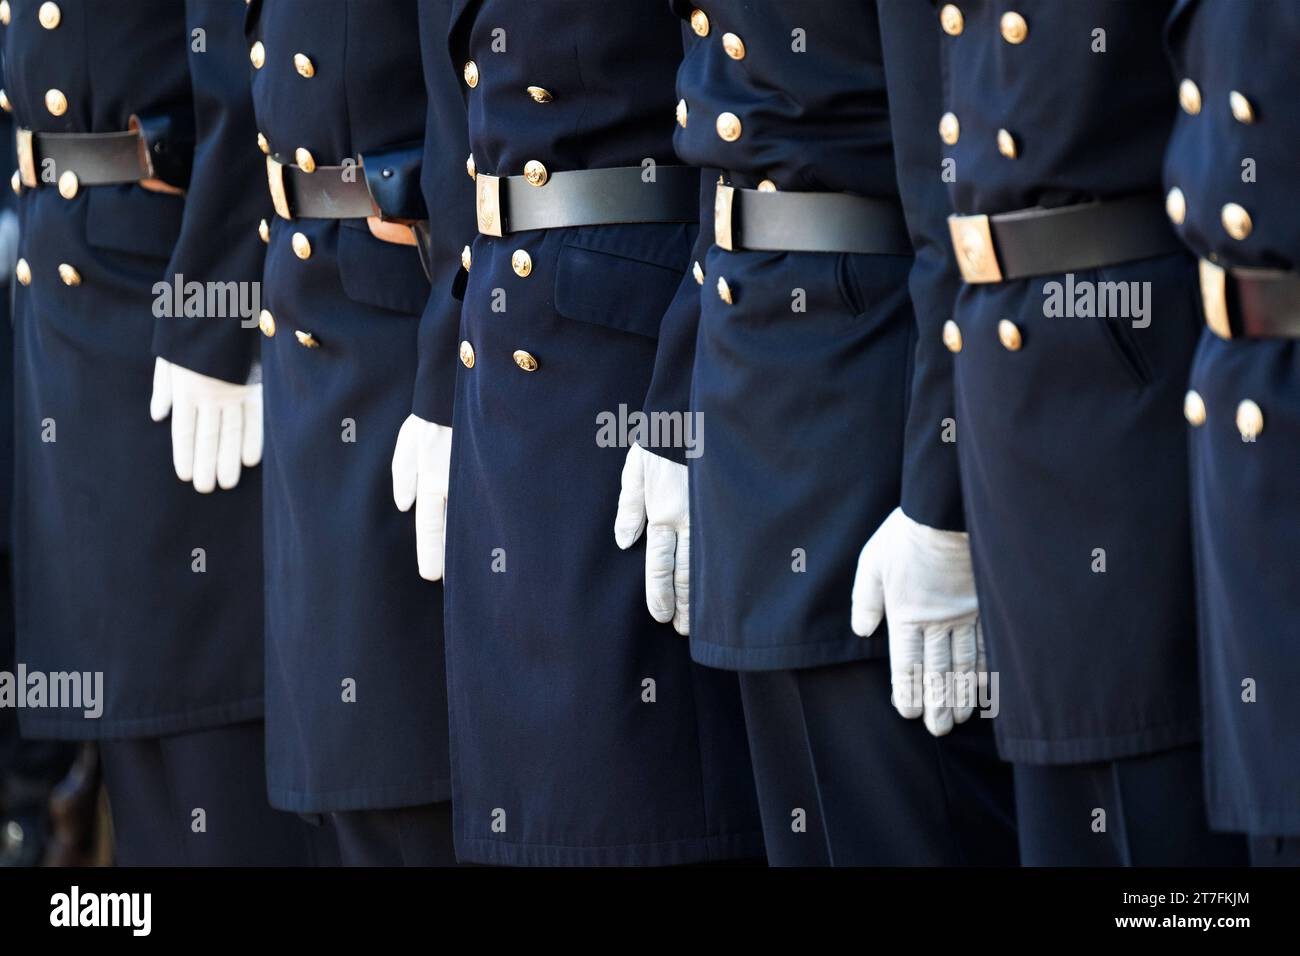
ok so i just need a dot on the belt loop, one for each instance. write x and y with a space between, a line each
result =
275 182
972 243
722 209
1214 298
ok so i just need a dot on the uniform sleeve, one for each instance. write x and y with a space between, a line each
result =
670 386
449 197
931 483
227 196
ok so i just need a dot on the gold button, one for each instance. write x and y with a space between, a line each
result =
471 74
952 336
734 46
306 339
264 231
1250 420
56 102
1176 206
257 55
303 64
540 94
266 322
949 128
1194 408
951 20
728 126
535 173
522 263
724 290
69 274
1236 221
1006 144
1009 335
16 183
699 22
4 12
69 184
49 14
23 271
262 144
681 113
1189 97
301 245
767 186
470 167
4 102
305 160
698 272
466 355
1014 27
525 360
465 258
1241 108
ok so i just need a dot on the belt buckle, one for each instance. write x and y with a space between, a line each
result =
723 200
487 204
1214 298
972 243
26 157
275 182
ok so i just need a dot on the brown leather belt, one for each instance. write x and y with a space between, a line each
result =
91 159
1250 303
1035 242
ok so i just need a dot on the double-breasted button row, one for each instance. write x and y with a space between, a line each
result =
1008 334
1189 98
727 125
1236 221
523 360
68 273
1015 30
1249 417
266 323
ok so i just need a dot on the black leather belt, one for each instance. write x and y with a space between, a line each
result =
1035 242
1250 303
327 192
95 159
586 197
808 222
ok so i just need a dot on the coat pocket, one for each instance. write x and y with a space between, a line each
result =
133 220
378 273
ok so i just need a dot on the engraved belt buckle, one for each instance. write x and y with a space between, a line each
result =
972 243
723 200
487 204
26 157
275 182
1214 298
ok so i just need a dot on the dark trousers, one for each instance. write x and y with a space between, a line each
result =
843 780
405 836
1140 811
199 799
1275 851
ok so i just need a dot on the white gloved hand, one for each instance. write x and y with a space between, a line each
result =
421 474
655 492
920 579
216 425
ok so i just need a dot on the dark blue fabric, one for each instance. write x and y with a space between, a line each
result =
1140 811
1072 448
874 789
356 715
562 754
1244 494
105 533
406 836
155 786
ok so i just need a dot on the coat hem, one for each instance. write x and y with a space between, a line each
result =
1257 822
52 727
1077 750
414 794
704 849
784 657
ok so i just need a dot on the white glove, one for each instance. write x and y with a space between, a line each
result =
655 489
216 425
920 579
421 473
